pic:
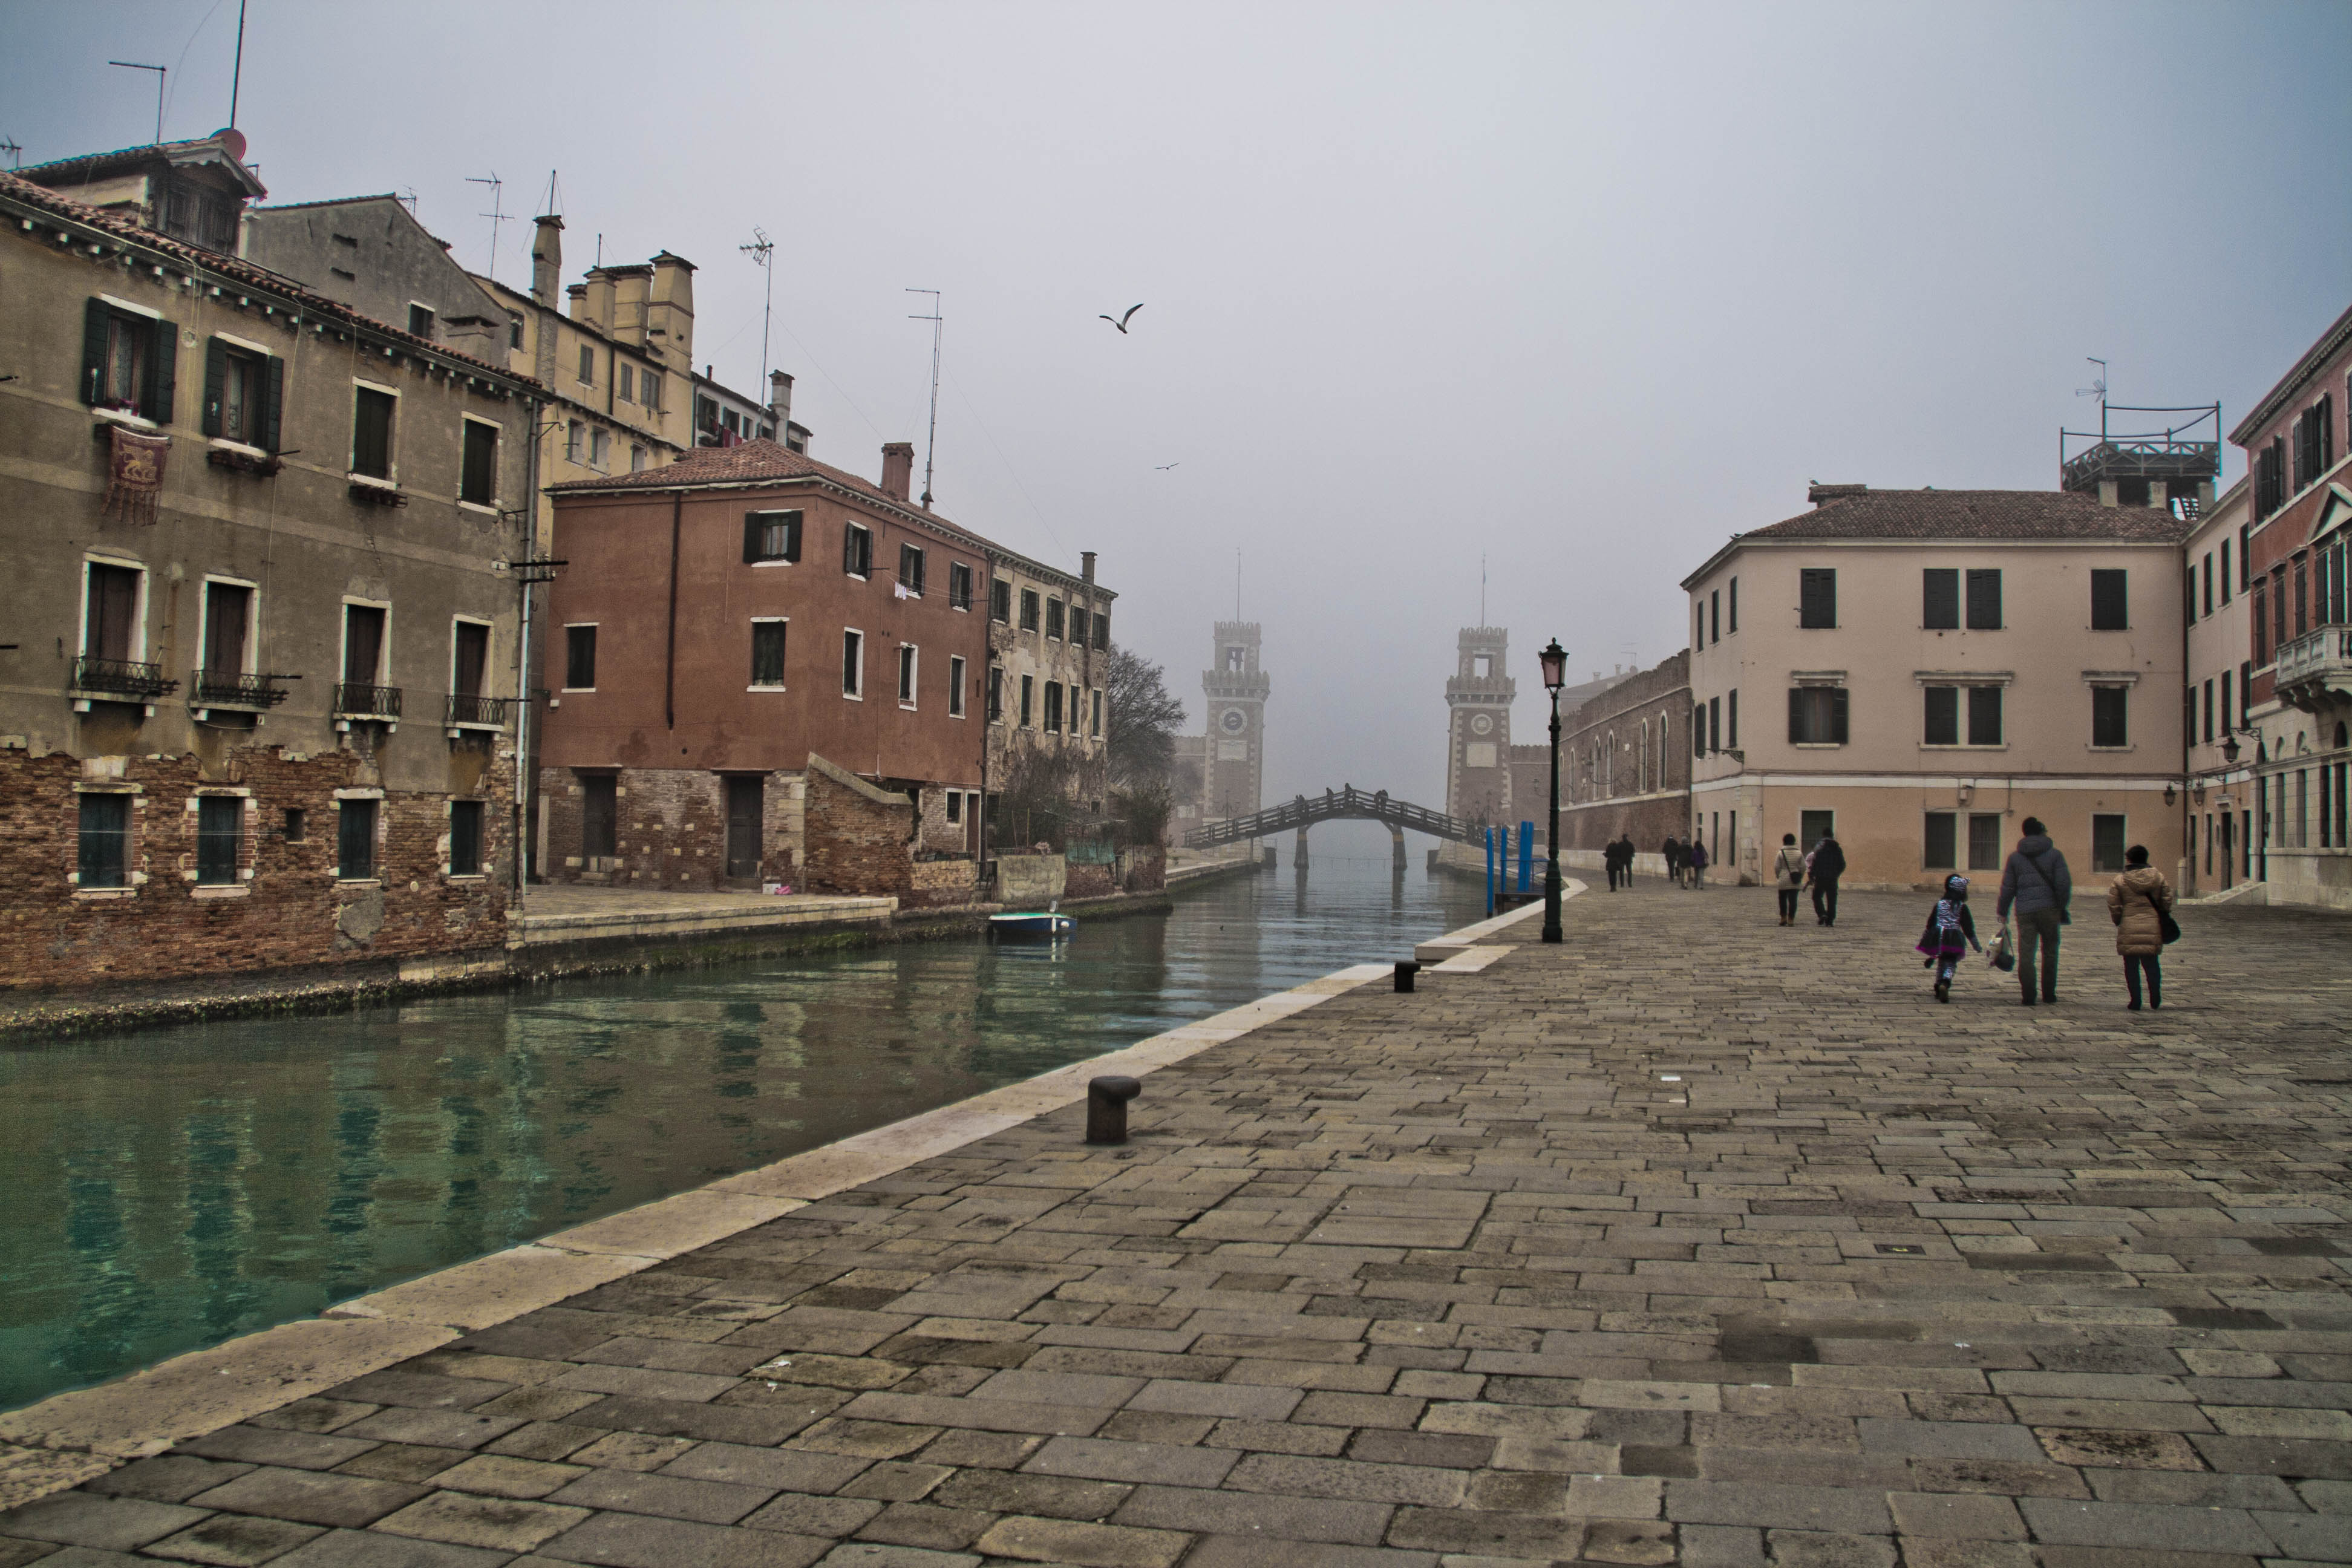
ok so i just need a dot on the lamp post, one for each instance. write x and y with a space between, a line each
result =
1554 659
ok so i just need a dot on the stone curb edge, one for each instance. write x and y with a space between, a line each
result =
73 1437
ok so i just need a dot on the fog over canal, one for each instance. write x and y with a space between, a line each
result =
170 1189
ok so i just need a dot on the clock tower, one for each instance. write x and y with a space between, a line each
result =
1233 762
1479 728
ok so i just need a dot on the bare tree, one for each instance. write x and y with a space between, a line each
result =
1142 722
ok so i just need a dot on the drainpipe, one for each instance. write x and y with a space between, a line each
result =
523 786
670 657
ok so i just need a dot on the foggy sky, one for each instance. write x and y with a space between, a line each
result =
1585 288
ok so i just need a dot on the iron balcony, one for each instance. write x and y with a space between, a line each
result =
355 699
121 678
229 689
478 712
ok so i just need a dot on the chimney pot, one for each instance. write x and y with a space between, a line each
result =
1087 568
897 468
546 261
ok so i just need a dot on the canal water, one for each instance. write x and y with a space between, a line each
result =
169 1189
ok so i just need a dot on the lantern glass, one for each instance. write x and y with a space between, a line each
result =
1554 659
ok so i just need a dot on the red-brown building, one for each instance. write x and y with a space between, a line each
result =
723 624
2293 563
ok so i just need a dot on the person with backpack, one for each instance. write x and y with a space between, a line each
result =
2139 902
1828 864
2037 885
1951 932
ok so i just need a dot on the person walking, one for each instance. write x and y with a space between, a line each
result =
1787 877
1951 932
1671 851
1698 863
1625 852
2037 885
2138 903
1609 862
1828 864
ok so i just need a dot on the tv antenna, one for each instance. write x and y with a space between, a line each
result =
162 72
407 198
15 153
762 252
496 214
939 325
236 71
2098 387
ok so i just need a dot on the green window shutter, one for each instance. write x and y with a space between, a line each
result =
216 382
751 526
793 536
276 400
162 358
1837 717
93 349
1796 715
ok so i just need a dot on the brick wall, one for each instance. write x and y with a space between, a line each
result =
937 884
669 830
1088 882
859 835
1599 805
286 909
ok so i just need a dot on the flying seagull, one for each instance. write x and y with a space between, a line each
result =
1121 321
1163 467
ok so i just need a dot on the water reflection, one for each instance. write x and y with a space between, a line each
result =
171 1189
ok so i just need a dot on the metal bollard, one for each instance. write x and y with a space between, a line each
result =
1106 1101
1405 970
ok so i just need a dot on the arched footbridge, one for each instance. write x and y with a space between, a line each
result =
1301 812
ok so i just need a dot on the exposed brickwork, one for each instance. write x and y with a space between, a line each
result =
669 829
857 835
286 909
1089 882
1600 800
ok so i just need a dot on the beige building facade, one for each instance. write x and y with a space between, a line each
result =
1918 671
2220 846
1048 638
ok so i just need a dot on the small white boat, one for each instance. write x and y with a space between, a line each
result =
1035 924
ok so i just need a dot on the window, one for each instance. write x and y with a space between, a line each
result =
127 362
649 388
1698 624
856 549
959 585
1077 627
575 436
588 364
955 805
600 449
1714 726
110 622
2209 584
1731 720
955 688
1698 728
356 839
1000 600
1715 615
2226 725
1813 826
2110 600
638 458
771 536
1053 619
1817 601
298 824
1102 630
105 848
1028 690
229 619
2245 559
2108 721
1984 600
420 321
2108 841
911 570
478 479
995 693
1941 852
2208 711
1094 728
1984 715
469 658
241 395
768 652
906 662
1939 599
1028 609
465 839
2225 570
626 381
514 331
1943 716
1817 716
600 815
362 657
2245 687
852 664
1052 707
1734 606
1984 841
2315 441
371 433
579 658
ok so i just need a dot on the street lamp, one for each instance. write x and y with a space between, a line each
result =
1554 659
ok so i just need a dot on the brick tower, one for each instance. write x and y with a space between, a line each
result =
1233 763
1478 727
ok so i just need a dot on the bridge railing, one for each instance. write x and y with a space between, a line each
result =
1303 811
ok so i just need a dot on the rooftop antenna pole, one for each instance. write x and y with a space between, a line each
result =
762 252
236 72
552 198
15 153
160 73
939 325
496 214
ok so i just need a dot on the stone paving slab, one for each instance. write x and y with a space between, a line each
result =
1694 1240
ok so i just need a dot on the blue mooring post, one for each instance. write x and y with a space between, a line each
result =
1490 870
1527 854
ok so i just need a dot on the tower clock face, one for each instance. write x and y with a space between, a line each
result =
1482 725
1233 721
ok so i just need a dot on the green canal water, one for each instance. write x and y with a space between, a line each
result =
169 1189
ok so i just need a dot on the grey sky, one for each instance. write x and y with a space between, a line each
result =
1584 288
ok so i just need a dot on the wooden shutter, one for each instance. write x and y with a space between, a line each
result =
792 536
162 360
95 316
1984 601
753 527
216 384
1818 597
473 654
1939 599
849 548
273 400
1837 716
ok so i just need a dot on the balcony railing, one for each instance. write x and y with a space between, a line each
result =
121 678
2316 667
228 688
355 700
488 712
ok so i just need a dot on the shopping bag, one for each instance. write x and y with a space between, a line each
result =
2000 954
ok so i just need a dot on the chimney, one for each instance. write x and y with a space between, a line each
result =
1822 495
546 261
897 468
1087 567
780 400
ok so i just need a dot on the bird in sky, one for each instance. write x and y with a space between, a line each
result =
1163 467
1121 321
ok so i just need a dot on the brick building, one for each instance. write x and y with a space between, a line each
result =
2294 558
723 624
1625 766
1478 697
256 714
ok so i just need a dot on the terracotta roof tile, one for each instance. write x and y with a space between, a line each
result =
1977 515
756 461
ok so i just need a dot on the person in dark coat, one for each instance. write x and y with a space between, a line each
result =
1829 865
1625 852
2037 884
1671 852
1609 862
1698 863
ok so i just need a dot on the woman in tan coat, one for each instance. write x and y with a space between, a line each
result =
2134 902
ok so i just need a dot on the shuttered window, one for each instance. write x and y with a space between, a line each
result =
2110 708
1984 715
1939 599
371 417
243 391
356 839
771 536
1817 716
127 362
478 478
958 586
912 570
856 551
1984 601
1817 598
105 840
1000 600
1943 726
2110 600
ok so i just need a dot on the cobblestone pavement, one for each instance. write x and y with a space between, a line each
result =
1697 1241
